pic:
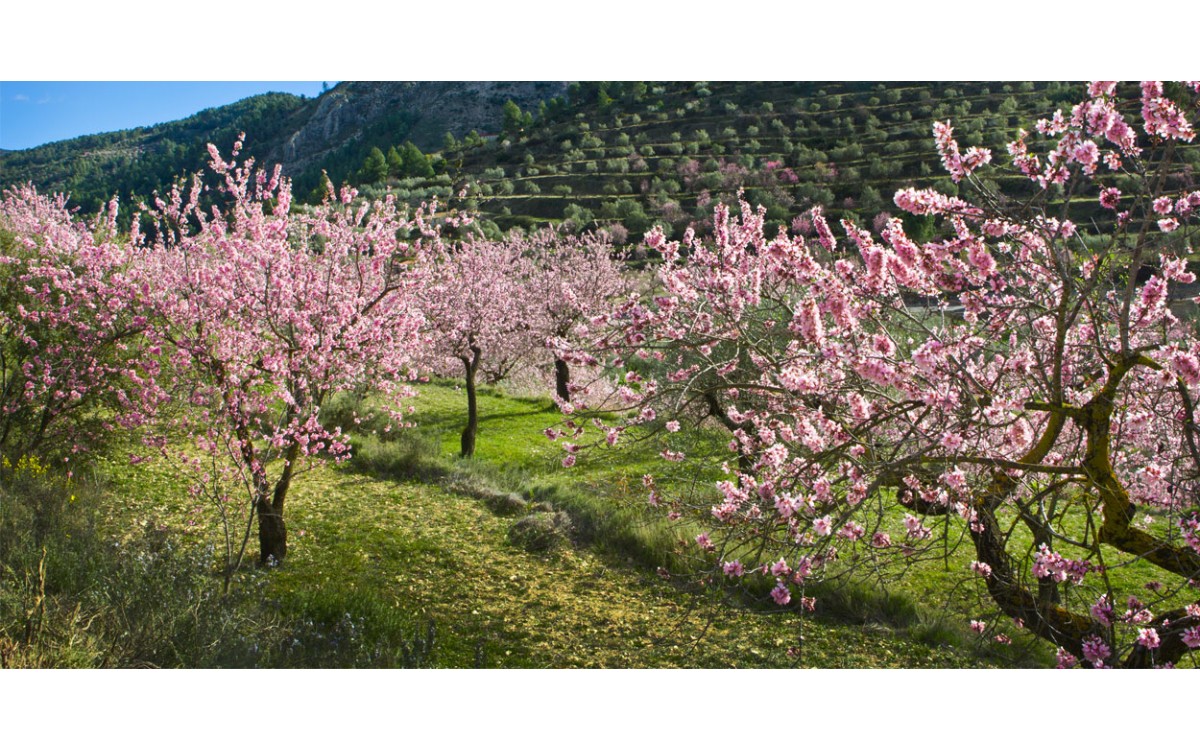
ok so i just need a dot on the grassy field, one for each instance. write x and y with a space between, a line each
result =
408 556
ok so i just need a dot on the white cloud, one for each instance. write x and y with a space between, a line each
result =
20 98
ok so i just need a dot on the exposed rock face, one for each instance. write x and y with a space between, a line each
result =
433 107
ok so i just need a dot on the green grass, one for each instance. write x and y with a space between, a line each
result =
408 566
605 499
400 554
404 557
930 598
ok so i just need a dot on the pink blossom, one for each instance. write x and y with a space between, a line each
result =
1148 637
1175 269
824 235
1065 659
852 531
1191 637
959 166
1048 564
1102 611
1162 117
916 530
1095 650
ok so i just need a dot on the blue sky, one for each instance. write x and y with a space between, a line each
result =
33 113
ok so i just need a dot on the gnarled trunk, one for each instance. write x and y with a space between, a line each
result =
272 530
717 410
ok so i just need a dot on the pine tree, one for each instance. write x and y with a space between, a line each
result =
395 163
512 117
374 168
416 164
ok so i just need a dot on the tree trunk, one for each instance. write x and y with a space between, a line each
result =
468 436
715 409
272 531
1045 619
562 376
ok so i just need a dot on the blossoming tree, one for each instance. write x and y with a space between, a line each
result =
573 280
262 313
479 314
70 327
1016 382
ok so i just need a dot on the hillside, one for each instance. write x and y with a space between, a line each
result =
137 162
643 153
333 132
621 155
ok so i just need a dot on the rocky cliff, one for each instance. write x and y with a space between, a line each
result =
430 108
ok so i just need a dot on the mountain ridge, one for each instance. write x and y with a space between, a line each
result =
295 132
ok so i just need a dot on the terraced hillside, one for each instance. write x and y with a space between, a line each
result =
638 154
622 155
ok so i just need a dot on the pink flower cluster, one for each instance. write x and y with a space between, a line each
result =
1096 651
958 165
1162 116
1049 564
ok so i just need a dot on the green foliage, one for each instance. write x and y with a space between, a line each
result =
603 99
395 163
374 168
416 164
846 121
412 456
394 565
629 212
515 121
